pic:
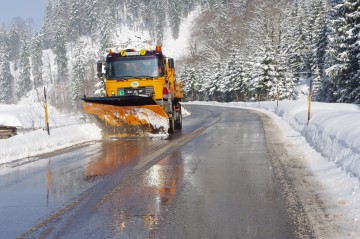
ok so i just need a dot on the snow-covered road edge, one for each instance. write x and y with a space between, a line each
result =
337 169
333 131
39 142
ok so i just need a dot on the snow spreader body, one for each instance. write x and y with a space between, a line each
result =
141 94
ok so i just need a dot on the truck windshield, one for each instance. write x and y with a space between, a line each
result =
134 67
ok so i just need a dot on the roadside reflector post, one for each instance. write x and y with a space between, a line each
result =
46 113
310 99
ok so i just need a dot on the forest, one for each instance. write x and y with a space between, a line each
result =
240 50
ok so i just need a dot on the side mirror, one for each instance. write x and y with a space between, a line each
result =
99 69
171 63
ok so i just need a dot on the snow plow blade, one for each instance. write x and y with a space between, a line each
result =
127 116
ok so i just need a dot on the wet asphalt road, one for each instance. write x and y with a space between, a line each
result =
212 180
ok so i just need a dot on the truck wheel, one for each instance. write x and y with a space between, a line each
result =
171 125
178 118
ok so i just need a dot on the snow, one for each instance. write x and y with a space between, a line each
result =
66 130
331 146
39 142
9 119
176 48
184 111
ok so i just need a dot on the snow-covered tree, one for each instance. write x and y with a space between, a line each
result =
18 32
24 84
212 85
6 79
36 50
174 13
232 83
48 27
75 20
345 50
79 73
91 17
189 79
297 49
60 51
106 30
267 77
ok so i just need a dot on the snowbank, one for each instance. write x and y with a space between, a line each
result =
66 130
8 119
39 142
333 131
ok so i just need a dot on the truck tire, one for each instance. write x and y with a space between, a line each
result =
171 125
178 118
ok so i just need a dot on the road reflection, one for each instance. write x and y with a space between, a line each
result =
140 206
79 175
116 155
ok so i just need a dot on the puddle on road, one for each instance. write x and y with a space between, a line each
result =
138 208
116 155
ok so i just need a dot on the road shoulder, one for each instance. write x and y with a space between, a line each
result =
299 187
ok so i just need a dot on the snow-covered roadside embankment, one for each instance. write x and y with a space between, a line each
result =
333 131
39 142
66 130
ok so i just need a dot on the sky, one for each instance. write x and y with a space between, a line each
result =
25 9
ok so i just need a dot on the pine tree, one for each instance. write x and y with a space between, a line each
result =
157 26
75 20
189 79
6 79
174 13
212 86
48 26
79 73
24 85
318 40
91 17
60 51
230 80
297 50
287 87
249 74
106 30
344 49
36 59
269 77
133 14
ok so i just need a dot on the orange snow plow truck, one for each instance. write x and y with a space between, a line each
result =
142 94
